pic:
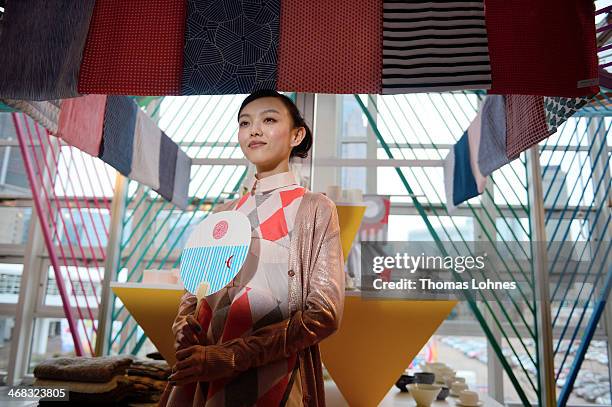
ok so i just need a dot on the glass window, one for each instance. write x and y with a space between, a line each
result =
84 227
354 122
6 337
13 178
82 286
412 228
14 224
10 281
354 177
52 338
593 382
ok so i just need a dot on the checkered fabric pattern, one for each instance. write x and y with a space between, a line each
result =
524 57
525 123
257 297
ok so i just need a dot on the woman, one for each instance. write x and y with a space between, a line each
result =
255 341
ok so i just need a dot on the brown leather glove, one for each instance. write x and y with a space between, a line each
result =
186 329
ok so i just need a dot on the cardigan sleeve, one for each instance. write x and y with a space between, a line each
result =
320 318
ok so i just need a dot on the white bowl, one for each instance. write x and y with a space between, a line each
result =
424 394
469 398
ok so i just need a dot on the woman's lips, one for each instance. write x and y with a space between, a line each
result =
256 144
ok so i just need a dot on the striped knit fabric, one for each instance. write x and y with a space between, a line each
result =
41 48
257 297
434 46
45 113
168 151
118 134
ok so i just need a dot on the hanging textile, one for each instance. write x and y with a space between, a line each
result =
134 48
474 135
464 183
434 46
543 47
330 46
449 176
45 113
146 151
459 180
118 136
492 150
81 122
558 110
41 46
525 123
230 48
182 176
168 151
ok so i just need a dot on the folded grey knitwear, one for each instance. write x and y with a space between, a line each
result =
156 369
83 369
115 397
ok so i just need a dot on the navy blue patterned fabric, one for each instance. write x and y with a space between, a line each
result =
118 135
230 46
464 183
168 150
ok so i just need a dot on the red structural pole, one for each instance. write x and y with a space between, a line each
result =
78 348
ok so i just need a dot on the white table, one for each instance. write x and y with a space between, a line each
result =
334 398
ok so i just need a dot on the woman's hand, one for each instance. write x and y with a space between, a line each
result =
189 366
188 333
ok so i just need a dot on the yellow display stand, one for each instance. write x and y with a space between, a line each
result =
376 342
349 218
154 307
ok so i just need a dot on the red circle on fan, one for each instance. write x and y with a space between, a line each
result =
220 229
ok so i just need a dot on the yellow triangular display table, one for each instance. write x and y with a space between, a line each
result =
376 342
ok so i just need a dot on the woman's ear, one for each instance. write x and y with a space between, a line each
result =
298 136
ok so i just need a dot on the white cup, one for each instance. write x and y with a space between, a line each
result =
158 277
354 195
334 192
468 398
458 387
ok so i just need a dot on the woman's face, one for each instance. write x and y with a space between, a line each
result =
266 134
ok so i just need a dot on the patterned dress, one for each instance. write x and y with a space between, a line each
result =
258 296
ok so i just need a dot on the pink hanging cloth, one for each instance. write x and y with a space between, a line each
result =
330 46
81 121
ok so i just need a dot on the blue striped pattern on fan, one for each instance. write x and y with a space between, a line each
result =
215 252
215 265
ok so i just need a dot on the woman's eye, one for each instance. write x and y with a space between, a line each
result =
241 124
270 119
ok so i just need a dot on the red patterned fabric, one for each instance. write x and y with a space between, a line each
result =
544 47
330 46
525 123
134 48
